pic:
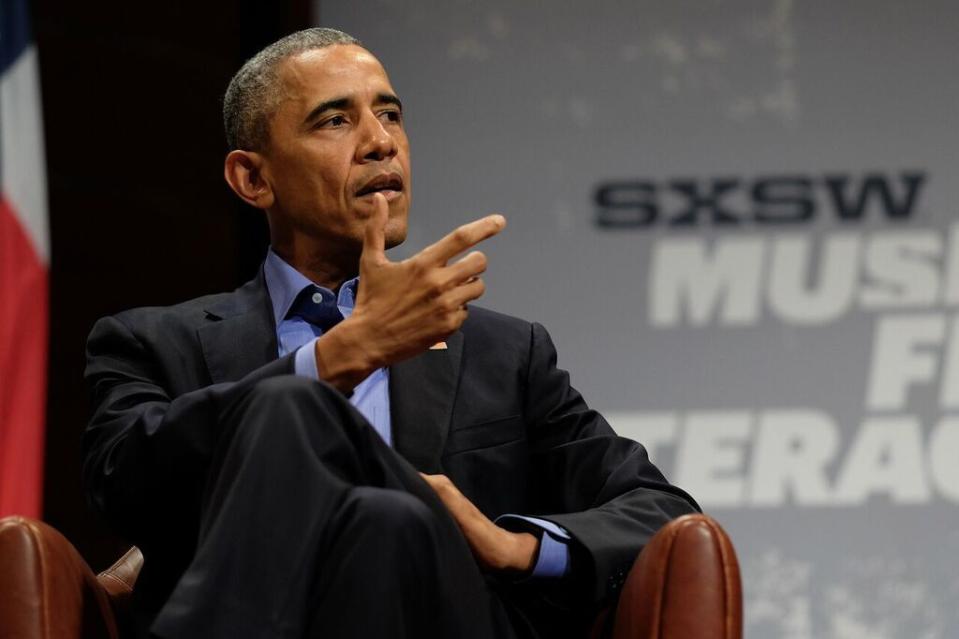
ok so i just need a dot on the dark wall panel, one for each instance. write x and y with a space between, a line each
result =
139 211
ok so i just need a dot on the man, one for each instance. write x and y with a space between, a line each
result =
343 447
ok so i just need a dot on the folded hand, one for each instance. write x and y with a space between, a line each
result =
496 549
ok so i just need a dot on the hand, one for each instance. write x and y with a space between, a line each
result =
496 549
403 308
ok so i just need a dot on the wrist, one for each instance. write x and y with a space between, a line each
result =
343 356
525 551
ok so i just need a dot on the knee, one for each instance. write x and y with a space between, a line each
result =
292 393
276 407
393 514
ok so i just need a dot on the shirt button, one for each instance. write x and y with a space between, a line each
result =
317 298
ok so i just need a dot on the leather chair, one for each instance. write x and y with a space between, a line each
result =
685 584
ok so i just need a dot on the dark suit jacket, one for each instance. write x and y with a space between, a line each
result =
491 411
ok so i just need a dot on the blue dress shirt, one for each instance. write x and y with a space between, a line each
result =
371 396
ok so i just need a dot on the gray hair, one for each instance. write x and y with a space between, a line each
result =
255 90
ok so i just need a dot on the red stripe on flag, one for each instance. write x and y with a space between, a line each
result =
23 368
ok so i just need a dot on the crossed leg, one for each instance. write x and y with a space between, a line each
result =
313 527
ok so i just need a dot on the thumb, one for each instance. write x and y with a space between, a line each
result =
374 236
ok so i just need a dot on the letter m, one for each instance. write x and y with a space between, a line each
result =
689 283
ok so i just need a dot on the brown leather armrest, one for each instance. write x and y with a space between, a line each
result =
685 584
49 592
118 580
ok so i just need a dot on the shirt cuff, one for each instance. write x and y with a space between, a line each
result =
304 361
553 559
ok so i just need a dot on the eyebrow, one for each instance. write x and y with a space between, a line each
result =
337 104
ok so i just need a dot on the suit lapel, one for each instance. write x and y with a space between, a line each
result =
422 390
239 335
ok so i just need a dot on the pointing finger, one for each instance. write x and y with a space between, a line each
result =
463 238
374 236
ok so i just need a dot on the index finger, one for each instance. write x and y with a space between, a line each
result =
463 238
374 234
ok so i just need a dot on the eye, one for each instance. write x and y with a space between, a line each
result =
333 122
392 115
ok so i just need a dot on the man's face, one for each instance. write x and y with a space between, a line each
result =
336 138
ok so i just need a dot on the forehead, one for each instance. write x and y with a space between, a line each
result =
337 71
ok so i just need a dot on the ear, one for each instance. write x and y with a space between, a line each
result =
243 171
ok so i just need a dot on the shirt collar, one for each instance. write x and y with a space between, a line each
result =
284 283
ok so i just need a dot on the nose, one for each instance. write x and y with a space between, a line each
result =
377 143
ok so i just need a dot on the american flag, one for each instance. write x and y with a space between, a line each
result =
24 264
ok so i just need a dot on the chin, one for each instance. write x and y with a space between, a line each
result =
395 232
394 239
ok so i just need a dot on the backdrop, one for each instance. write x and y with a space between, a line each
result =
737 221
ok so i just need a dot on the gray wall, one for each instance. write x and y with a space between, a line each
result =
797 372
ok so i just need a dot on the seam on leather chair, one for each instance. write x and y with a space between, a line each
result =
44 569
728 585
664 569
114 578
675 532
36 544
719 541
715 539
124 560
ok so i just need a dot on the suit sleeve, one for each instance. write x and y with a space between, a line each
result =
146 453
602 488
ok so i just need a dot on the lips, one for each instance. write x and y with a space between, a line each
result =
384 182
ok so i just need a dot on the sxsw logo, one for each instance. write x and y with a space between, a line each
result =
769 200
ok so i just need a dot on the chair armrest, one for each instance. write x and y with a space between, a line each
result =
49 592
118 580
685 584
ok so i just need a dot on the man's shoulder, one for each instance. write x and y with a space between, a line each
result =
189 314
485 326
194 308
481 318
